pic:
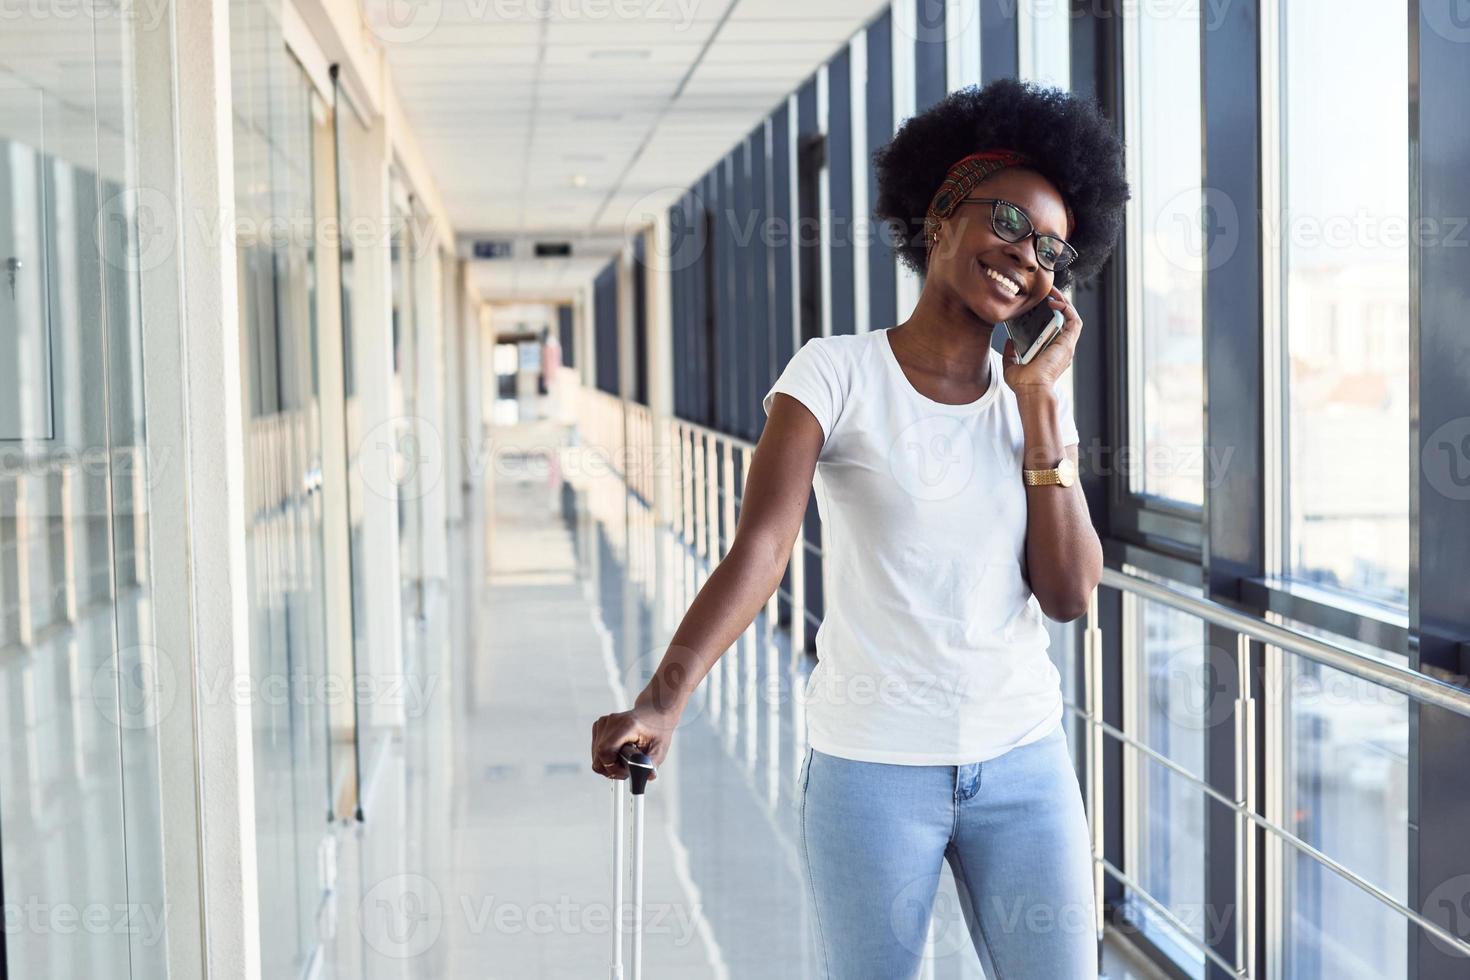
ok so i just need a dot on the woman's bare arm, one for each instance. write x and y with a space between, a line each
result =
774 503
1064 558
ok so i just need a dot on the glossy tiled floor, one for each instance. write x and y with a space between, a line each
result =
582 594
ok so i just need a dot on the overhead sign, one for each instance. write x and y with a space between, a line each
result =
493 248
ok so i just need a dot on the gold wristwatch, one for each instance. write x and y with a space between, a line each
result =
1064 474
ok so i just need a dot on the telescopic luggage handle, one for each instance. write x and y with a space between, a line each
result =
640 770
640 767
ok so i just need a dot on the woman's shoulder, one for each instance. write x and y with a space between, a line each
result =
846 352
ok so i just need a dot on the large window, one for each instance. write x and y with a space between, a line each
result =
1171 714
1344 785
1345 246
1167 223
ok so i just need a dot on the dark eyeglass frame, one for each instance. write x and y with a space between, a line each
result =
1069 254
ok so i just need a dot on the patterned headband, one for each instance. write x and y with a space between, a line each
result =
962 178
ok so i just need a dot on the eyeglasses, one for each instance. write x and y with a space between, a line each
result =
1013 225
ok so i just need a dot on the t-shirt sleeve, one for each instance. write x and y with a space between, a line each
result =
811 378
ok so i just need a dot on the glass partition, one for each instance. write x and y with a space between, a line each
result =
276 111
81 685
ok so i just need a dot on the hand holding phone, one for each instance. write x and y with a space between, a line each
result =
1034 329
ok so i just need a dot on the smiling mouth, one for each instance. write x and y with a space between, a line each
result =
1006 282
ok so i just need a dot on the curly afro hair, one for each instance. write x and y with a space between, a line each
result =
1069 140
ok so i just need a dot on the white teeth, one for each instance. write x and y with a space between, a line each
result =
1010 284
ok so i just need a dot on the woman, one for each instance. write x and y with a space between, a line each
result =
951 526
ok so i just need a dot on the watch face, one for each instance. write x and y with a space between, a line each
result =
1067 472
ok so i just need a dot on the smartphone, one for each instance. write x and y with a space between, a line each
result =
1034 329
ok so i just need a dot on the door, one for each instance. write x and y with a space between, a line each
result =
290 702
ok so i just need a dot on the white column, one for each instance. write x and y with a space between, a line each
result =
862 224
824 206
381 649
907 284
196 505
962 47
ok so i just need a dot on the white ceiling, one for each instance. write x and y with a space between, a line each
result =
513 101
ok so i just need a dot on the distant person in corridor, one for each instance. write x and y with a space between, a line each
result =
952 524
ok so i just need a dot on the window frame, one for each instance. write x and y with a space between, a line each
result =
1171 527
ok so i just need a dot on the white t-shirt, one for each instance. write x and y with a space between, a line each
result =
932 650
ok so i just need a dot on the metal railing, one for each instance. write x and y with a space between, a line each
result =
1411 684
701 469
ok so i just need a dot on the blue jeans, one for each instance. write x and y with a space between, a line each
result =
874 838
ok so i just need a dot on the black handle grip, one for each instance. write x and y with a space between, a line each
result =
640 766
